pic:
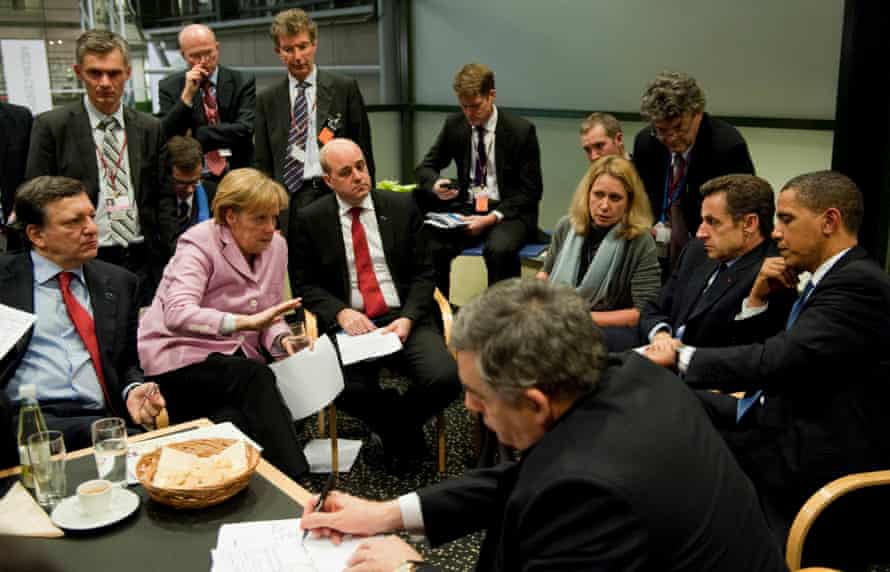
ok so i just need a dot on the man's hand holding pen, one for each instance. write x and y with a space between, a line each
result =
345 514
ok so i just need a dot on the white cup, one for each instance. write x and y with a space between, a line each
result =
95 496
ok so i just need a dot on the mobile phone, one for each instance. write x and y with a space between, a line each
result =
452 185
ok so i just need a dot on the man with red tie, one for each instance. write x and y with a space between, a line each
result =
356 260
81 351
214 104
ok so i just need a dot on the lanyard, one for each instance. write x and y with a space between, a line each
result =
110 174
671 198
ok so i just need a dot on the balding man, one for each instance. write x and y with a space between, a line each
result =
214 104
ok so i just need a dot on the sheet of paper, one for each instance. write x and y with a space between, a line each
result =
225 430
20 515
445 220
367 346
309 379
15 325
318 453
277 545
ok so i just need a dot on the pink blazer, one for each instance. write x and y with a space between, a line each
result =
207 278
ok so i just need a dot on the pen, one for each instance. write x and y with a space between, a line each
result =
328 487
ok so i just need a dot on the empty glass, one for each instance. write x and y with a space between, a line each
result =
46 451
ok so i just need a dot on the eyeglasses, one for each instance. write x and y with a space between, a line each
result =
679 126
183 184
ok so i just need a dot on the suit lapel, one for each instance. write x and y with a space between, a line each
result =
502 142
280 122
82 136
323 100
233 255
103 299
135 149
17 291
385 225
696 284
225 90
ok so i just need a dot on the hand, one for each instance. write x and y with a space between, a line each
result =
662 342
354 322
293 344
774 275
662 355
478 223
144 403
346 514
542 275
262 320
381 555
443 193
193 80
401 326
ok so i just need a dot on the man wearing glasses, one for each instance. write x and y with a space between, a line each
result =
193 194
683 148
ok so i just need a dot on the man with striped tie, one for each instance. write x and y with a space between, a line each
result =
805 418
297 116
117 153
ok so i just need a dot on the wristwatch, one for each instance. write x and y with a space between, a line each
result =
409 566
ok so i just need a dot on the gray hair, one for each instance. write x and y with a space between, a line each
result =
101 42
670 95
531 334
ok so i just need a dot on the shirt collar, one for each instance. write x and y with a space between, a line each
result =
492 122
367 204
45 269
823 269
310 79
96 116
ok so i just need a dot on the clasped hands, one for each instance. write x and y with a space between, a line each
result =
356 323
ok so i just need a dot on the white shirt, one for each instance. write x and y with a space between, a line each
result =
102 219
491 177
312 165
368 219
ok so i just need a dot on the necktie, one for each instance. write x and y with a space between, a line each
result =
375 305
124 228
746 402
296 141
216 163
481 158
85 327
184 217
679 232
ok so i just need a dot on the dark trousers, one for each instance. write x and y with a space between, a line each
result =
237 389
311 191
500 249
434 384
74 421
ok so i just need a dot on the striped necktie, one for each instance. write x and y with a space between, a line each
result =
124 229
296 141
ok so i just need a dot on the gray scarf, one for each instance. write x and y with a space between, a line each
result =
605 264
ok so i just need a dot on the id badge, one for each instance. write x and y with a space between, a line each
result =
118 208
662 234
225 152
325 136
298 153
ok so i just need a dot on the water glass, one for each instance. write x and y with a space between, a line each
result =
46 451
298 337
110 449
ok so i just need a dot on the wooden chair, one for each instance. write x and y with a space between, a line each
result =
817 504
331 424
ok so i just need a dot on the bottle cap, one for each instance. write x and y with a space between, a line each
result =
27 391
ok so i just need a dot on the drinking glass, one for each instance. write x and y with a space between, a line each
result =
298 337
46 451
110 449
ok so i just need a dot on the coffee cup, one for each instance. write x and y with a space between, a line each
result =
95 496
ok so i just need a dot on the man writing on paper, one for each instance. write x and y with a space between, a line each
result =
606 470
358 264
81 352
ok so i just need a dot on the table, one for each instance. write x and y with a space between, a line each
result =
160 538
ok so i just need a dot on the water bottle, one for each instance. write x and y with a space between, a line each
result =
30 421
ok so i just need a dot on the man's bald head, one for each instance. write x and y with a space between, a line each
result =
199 47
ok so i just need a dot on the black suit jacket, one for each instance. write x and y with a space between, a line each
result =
114 298
236 100
15 124
633 477
719 150
712 322
825 380
336 95
317 256
62 144
517 161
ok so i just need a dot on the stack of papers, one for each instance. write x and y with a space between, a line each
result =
277 545
372 345
309 379
445 220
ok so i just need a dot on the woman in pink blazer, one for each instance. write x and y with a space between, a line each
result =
217 317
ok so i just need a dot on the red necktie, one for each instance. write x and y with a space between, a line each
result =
84 325
216 163
375 305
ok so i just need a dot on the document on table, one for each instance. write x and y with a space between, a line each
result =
309 379
445 220
367 346
277 545
15 325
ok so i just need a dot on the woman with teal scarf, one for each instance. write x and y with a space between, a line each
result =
604 247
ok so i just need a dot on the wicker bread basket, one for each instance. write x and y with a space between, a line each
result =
198 497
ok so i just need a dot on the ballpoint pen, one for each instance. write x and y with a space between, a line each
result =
328 487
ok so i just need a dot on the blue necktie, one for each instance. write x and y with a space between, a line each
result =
746 402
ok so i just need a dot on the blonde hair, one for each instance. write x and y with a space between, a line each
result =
247 190
292 22
472 80
637 218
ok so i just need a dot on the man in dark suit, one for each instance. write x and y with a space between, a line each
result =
684 148
699 304
194 195
806 418
118 154
214 104
356 261
81 351
299 115
498 185
15 124
606 472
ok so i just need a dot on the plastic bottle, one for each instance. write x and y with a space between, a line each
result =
30 421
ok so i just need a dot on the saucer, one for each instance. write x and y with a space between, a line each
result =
68 514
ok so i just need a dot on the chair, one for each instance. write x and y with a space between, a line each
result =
331 425
822 500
